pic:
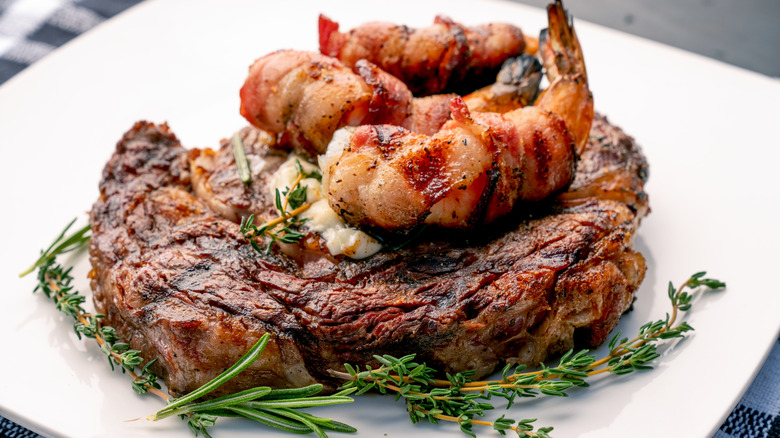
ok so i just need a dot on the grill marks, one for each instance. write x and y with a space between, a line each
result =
388 139
183 288
425 172
423 169
541 153
433 56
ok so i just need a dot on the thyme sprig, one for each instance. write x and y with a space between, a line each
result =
277 408
455 399
55 280
459 399
289 203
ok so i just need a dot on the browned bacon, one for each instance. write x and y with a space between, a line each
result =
429 60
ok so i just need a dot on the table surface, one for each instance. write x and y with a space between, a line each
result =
742 33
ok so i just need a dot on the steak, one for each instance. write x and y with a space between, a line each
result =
172 273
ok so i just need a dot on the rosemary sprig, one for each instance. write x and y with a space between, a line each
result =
274 407
277 408
459 399
289 203
55 282
241 162
61 245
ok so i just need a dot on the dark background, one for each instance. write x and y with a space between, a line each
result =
745 33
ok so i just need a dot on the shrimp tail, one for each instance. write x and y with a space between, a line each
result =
516 86
560 48
523 72
568 94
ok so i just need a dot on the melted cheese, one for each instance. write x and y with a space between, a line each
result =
320 218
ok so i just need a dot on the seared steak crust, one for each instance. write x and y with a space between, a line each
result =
173 275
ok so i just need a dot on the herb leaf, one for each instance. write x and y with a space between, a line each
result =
457 399
242 164
61 245
461 400
279 408
289 203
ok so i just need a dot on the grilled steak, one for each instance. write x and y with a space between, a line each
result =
172 273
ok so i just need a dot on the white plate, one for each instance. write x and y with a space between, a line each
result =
709 131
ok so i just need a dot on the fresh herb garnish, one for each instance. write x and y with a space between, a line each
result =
455 399
314 174
273 407
242 164
459 399
55 282
61 245
277 408
289 203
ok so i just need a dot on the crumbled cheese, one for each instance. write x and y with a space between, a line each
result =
320 218
285 177
256 164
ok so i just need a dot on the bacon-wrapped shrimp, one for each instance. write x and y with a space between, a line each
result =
479 165
289 93
431 59
303 97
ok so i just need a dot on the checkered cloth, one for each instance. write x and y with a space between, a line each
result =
758 413
31 29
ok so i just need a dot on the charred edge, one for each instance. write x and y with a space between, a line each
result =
478 216
524 73
424 172
454 63
379 91
542 156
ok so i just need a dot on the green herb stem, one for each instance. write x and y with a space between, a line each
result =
55 282
215 383
279 220
61 245
284 228
459 399
242 164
